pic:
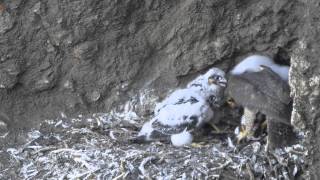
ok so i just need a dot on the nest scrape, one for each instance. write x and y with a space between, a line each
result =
98 147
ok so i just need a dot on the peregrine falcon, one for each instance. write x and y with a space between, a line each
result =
178 115
264 91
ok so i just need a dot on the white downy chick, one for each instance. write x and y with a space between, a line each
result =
186 109
189 112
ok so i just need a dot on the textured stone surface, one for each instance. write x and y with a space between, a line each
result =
305 84
88 56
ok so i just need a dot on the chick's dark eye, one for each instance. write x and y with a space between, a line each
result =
217 77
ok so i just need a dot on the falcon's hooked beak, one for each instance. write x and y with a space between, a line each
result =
217 80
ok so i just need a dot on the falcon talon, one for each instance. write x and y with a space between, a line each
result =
197 145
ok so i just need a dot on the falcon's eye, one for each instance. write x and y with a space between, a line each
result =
230 100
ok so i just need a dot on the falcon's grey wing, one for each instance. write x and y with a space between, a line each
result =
270 84
252 90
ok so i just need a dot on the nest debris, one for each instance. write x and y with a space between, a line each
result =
99 147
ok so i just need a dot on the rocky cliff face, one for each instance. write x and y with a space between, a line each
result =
305 83
89 56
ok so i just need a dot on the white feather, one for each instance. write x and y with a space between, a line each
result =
253 63
146 130
181 139
173 114
175 97
237 131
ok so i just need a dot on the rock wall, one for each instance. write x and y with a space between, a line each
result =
89 56
305 83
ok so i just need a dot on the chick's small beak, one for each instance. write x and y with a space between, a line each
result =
223 83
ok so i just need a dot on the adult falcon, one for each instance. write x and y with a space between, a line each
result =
262 89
